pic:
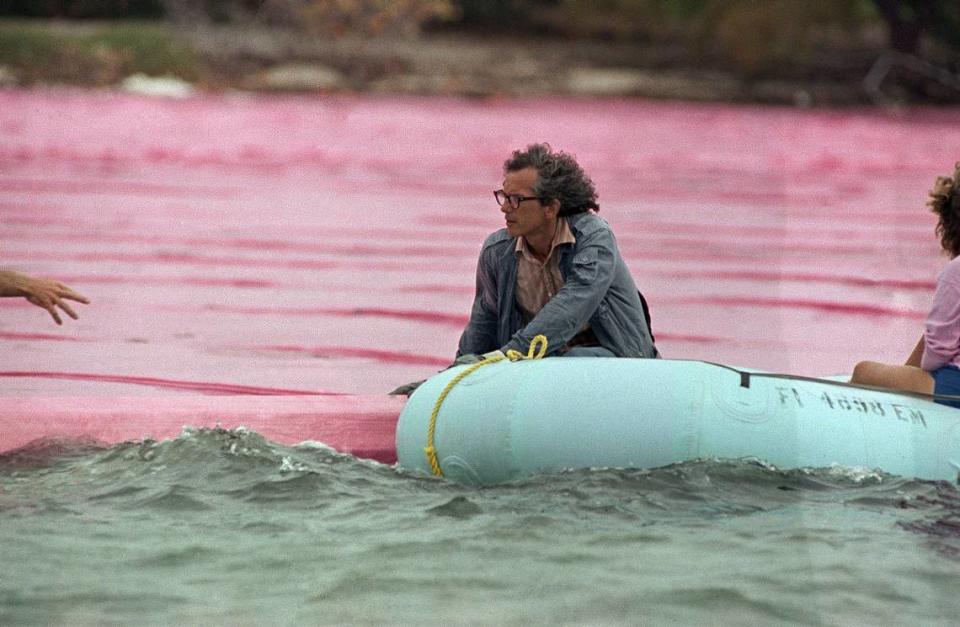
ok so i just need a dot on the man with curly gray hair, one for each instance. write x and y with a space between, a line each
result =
554 269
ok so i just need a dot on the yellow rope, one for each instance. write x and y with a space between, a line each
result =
538 348
539 344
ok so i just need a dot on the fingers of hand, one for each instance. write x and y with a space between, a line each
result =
64 306
65 292
49 304
54 314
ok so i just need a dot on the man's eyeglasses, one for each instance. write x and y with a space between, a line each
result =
514 199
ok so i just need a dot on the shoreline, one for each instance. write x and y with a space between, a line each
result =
474 67
224 59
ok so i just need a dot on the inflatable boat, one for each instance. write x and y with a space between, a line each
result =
513 419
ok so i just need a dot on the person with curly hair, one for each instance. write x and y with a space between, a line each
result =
934 365
554 269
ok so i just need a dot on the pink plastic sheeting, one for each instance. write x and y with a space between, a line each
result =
360 425
242 246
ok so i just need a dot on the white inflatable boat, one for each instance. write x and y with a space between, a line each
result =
509 420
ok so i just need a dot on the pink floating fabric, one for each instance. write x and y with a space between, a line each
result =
363 426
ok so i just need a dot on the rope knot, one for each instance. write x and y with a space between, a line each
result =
537 349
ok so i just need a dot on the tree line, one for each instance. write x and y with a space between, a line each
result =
910 25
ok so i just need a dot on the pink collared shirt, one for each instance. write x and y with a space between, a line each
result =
941 336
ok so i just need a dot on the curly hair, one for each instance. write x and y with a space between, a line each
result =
559 176
945 202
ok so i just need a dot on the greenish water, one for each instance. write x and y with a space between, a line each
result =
221 527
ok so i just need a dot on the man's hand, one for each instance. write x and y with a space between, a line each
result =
463 360
407 388
45 293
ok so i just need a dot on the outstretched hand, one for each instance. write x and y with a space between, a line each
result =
45 293
408 388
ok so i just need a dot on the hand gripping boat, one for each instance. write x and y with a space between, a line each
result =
513 419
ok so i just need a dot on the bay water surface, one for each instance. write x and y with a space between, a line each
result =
223 527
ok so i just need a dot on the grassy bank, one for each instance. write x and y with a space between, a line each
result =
92 54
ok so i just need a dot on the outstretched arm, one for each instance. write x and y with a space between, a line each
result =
45 293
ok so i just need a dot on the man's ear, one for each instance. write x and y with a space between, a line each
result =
553 208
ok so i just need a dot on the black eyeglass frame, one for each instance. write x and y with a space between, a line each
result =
514 199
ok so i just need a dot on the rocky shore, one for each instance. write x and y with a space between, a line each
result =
221 58
485 67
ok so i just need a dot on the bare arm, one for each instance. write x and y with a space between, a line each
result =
44 293
914 358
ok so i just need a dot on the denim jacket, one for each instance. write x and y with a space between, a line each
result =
598 290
